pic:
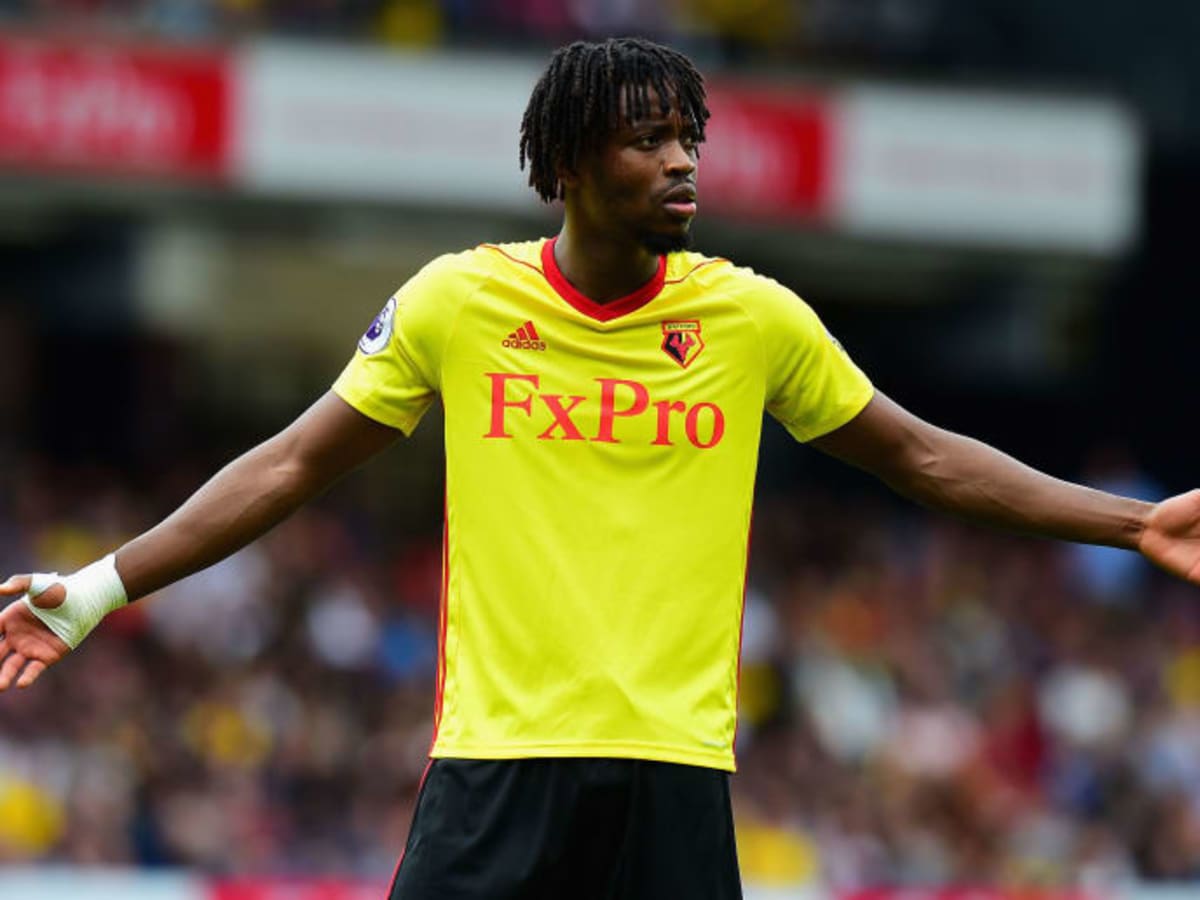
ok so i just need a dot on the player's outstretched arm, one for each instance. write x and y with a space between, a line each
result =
960 475
252 494
238 504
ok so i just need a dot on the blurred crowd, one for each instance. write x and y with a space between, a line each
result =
270 714
921 702
722 29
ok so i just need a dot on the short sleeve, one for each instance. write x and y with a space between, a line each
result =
396 371
813 387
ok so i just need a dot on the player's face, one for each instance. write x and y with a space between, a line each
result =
642 181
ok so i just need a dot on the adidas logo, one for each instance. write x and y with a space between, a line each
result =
525 338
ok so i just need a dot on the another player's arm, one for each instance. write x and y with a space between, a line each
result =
241 502
960 475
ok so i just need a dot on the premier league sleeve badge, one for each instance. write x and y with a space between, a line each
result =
380 332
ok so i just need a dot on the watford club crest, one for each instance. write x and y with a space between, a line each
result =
682 341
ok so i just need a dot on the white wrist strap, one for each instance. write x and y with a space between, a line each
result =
92 593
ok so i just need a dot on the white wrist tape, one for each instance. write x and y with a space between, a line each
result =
92 593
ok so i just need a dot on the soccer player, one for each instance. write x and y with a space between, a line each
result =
603 396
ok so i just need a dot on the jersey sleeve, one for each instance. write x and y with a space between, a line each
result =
396 370
813 387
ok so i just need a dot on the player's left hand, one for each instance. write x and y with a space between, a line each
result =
1172 536
27 646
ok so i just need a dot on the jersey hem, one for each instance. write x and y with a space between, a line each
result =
724 761
833 422
364 404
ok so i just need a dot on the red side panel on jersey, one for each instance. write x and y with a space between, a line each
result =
737 690
443 601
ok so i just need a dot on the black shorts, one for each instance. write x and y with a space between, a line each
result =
569 829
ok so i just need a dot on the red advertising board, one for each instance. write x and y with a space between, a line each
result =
768 154
295 889
971 893
106 109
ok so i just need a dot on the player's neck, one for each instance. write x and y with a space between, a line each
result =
600 268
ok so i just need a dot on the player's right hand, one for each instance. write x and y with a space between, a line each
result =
27 645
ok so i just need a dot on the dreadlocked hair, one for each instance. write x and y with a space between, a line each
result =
579 99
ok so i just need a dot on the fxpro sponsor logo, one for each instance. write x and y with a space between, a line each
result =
603 416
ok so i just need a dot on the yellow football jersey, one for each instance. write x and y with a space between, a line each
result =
600 465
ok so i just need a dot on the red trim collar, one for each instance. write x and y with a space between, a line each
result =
601 312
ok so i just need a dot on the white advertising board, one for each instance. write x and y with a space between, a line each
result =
369 125
1057 173
921 165
97 883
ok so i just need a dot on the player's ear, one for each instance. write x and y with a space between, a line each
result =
568 178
